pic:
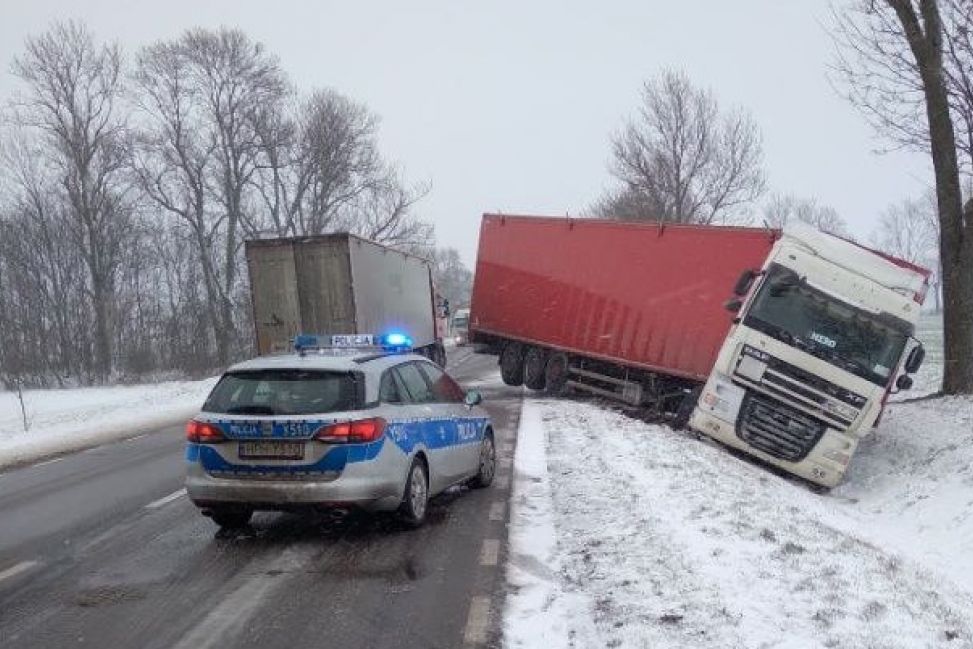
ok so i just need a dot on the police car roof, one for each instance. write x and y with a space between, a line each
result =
343 360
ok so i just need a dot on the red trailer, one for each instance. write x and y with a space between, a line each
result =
630 310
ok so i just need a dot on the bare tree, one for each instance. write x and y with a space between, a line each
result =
782 209
204 95
73 94
910 230
685 159
453 279
905 63
320 170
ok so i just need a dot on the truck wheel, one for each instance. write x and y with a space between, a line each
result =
535 365
556 374
512 364
686 407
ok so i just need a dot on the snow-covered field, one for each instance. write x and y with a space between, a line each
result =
628 534
65 420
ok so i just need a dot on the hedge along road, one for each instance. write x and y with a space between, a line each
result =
102 548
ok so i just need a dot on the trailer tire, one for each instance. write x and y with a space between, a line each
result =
512 364
535 368
685 409
556 374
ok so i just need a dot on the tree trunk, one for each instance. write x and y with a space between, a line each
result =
956 233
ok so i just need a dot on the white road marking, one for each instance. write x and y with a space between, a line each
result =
477 621
235 610
132 439
490 552
497 510
46 462
155 504
15 570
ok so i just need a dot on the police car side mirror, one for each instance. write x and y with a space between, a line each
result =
473 398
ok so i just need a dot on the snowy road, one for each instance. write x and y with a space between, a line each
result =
102 549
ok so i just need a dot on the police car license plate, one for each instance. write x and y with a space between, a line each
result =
272 450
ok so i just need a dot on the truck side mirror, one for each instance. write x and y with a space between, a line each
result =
745 282
914 361
733 305
904 382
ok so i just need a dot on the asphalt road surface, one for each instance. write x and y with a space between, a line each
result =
102 549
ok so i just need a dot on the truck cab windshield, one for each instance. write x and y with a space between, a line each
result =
788 309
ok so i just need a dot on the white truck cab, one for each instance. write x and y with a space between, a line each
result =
823 333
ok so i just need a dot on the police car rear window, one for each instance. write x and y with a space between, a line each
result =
284 392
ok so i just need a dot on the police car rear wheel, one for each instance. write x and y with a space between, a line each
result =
231 518
488 464
416 498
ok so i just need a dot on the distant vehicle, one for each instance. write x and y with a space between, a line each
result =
342 284
821 329
460 329
351 424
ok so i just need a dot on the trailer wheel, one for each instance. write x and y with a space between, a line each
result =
512 364
685 409
556 374
535 366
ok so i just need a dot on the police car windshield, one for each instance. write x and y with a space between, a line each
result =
284 392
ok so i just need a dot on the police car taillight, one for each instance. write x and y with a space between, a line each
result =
352 432
200 432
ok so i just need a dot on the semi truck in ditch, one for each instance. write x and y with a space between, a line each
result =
342 284
782 344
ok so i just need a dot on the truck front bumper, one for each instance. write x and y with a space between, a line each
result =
814 468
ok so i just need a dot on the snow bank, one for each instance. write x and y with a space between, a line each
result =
666 540
68 420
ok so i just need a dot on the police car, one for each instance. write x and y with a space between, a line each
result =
345 421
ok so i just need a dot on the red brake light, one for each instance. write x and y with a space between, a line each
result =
199 432
353 432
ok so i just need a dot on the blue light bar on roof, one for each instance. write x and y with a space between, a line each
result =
392 342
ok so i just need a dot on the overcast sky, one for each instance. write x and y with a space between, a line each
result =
509 106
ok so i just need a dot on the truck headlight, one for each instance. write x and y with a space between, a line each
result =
722 398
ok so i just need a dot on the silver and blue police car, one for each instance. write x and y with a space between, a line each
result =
345 421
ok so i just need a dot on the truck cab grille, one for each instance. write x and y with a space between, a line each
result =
777 429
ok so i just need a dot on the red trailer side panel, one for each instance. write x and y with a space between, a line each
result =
633 293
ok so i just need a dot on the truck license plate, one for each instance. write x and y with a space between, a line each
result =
272 450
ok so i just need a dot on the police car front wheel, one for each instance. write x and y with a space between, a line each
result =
488 464
416 497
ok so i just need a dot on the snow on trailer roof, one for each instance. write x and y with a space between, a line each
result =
889 271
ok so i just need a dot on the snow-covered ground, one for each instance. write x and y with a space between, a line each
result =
628 534
66 420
